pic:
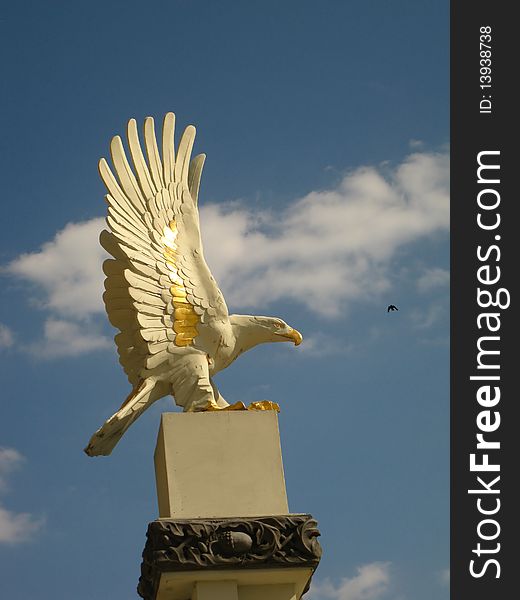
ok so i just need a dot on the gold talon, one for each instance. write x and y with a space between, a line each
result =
237 406
259 405
264 405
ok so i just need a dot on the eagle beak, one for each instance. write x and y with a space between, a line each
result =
294 335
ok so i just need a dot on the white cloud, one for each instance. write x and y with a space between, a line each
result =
69 285
67 270
14 527
66 338
17 527
332 247
326 250
444 576
6 336
10 460
370 583
433 278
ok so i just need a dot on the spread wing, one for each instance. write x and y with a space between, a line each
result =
159 288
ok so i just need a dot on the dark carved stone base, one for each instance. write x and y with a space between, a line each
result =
239 543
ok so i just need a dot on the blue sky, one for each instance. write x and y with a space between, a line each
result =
324 198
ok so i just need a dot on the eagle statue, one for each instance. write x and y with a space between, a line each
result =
175 329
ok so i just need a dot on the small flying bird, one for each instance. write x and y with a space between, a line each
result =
391 307
175 329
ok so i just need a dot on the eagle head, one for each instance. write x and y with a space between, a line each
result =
277 330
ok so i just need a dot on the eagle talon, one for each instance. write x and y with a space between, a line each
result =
264 405
236 406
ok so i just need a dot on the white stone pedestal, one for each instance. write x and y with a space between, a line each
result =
224 531
219 464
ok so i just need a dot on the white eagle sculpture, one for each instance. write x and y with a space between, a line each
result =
175 329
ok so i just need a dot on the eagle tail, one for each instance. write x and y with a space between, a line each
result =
108 435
